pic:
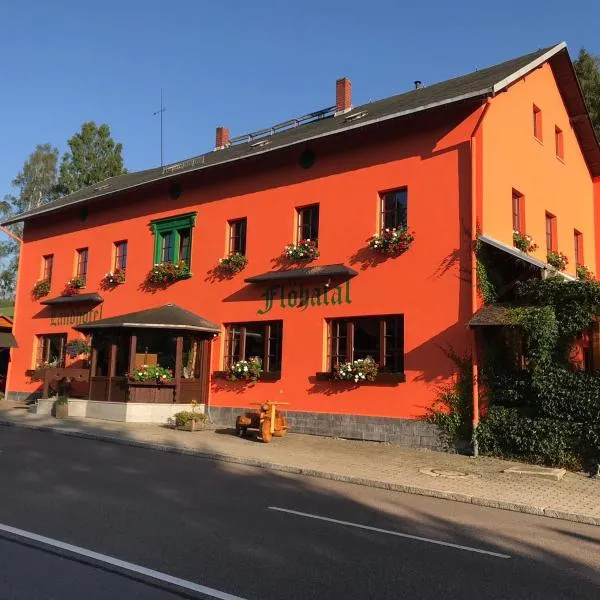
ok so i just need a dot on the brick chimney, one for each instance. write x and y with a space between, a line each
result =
221 138
343 96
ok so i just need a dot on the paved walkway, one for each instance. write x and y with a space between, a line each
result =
480 481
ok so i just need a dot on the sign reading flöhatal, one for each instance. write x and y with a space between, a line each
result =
74 317
303 297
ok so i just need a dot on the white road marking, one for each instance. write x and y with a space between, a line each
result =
388 532
109 560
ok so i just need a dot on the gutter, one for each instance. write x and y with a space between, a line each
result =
474 223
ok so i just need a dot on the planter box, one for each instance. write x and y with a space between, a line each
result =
151 393
61 411
193 426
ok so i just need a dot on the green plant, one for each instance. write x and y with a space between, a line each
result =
234 263
41 289
183 417
246 370
524 242
362 369
77 347
152 373
113 278
305 250
60 400
73 285
584 273
392 241
165 273
557 259
487 284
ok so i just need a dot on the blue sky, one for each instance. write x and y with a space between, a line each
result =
241 63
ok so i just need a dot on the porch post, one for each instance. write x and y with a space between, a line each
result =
178 367
112 365
132 350
93 364
595 344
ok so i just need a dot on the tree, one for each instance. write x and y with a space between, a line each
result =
587 68
36 184
94 156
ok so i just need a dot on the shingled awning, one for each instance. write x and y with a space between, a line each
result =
92 298
169 316
495 315
337 270
7 340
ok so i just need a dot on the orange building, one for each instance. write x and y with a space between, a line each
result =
506 148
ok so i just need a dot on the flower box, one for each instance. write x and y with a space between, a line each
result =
245 370
304 250
557 260
393 242
524 242
73 286
584 273
234 263
167 273
362 369
41 289
113 278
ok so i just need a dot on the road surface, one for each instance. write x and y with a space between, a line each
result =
241 532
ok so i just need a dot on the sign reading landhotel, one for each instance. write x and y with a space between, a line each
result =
303 297
74 317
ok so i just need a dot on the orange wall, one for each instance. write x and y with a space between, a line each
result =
513 158
427 284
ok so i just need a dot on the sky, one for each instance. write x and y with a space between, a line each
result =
243 64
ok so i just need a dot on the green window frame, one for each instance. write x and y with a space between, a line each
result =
173 236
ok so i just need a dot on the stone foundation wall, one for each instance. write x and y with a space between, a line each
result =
404 432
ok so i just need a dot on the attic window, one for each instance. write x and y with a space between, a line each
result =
356 116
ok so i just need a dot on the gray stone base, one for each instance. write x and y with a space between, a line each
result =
28 397
404 432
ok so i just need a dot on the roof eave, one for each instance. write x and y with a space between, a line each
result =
470 96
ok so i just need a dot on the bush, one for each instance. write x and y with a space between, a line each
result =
183 417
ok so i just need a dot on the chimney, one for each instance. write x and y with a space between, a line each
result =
343 96
221 138
418 84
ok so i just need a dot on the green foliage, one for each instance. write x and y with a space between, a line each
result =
35 185
93 157
77 347
452 410
183 417
234 263
361 369
584 273
541 330
487 281
152 373
587 68
557 259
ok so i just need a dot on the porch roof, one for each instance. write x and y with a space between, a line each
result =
169 316
93 297
7 340
304 273
494 315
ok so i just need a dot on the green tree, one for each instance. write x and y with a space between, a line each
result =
35 184
93 156
587 68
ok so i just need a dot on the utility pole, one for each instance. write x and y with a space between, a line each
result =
160 112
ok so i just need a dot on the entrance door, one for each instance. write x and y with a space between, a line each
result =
196 371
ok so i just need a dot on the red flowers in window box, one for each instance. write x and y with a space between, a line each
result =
557 260
392 241
166 273
73 286
305 250
40 289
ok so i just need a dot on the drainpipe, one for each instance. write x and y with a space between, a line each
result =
474 215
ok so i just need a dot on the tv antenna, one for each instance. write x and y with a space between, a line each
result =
160 112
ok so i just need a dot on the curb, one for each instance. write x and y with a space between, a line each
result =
373 483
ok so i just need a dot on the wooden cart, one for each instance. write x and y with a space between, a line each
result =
269 421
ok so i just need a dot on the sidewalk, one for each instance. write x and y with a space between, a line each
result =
479 481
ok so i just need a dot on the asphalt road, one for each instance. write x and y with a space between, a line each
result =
262 535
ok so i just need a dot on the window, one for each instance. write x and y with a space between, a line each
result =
82 263
559 143
262 339
578 239
518 212
51 350
173 239
308 223
47 264
537 123
237 236
381 338
550 232
394 207
121 255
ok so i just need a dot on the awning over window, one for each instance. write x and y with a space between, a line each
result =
7 340
494 315
169 316
93 298
337 270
